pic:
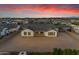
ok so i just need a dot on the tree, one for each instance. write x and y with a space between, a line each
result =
66 52
75 52
57 51
60 51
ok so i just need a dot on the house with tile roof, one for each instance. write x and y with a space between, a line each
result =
39 29
7 28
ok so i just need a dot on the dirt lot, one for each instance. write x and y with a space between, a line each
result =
18 43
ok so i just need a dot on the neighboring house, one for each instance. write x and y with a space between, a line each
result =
0 33
25 21
63 27
13 27
66 28
3 32
8 28
37 29
75 28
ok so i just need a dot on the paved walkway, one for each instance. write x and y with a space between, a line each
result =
18 43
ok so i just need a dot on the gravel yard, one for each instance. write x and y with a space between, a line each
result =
18 43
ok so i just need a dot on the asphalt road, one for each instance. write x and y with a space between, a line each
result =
18 43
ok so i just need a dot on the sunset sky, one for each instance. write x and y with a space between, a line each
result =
39 10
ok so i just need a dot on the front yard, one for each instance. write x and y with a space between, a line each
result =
19 43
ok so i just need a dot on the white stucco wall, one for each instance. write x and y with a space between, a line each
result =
17 28
14 29
27 30
76 29
46 33
4 32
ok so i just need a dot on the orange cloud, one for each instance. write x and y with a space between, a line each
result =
48 9
52 9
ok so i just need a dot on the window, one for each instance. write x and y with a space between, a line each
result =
51 33
41 32
25 33
29 33
36 32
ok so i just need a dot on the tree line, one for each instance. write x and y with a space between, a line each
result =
56 51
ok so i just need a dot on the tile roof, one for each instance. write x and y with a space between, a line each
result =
39 26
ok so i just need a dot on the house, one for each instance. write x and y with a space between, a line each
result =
39 30
6 29
3 31
25 21
27 32
75 28
13 27
51 33
65 28
31 33
0 32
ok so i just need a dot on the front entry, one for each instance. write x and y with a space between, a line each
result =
39 34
